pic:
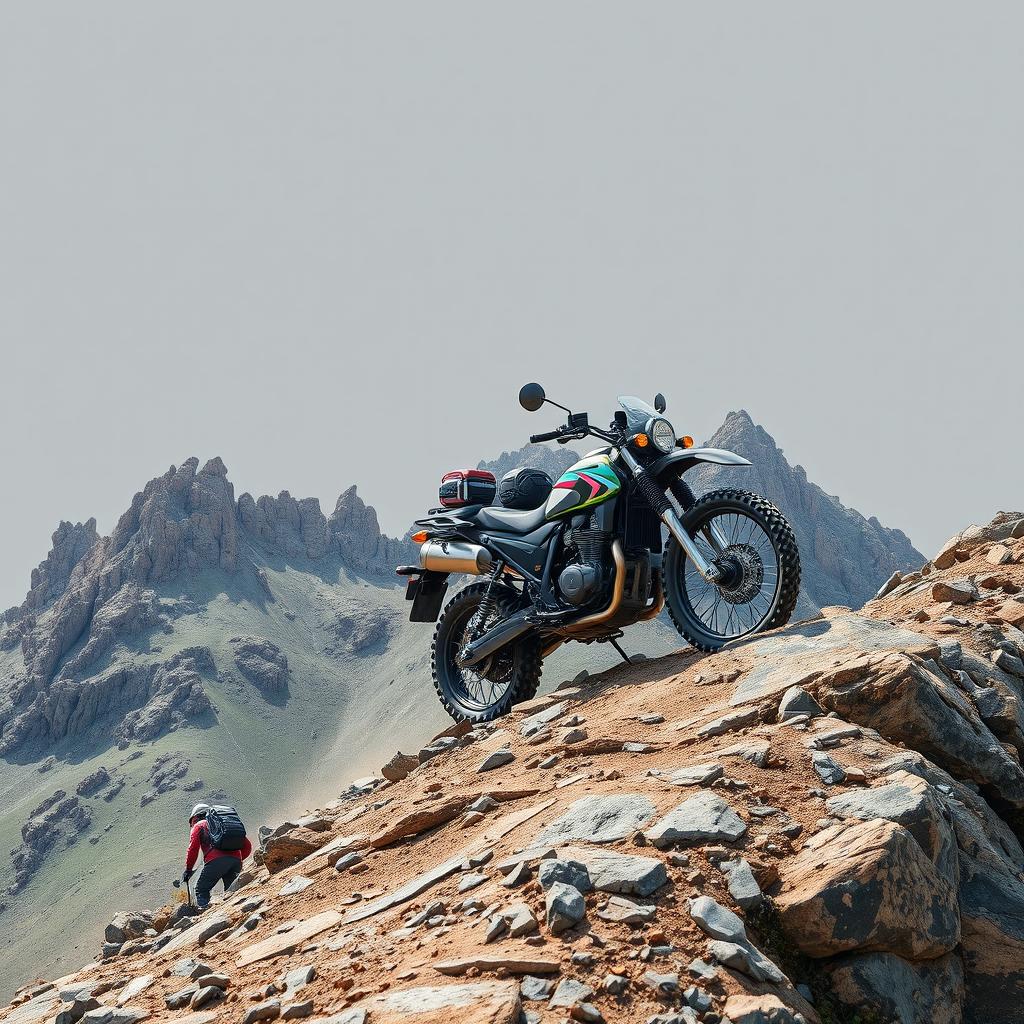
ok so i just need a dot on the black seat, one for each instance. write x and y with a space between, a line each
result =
510 519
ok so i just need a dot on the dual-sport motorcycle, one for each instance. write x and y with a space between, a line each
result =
584 557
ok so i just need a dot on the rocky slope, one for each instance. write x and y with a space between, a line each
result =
819 824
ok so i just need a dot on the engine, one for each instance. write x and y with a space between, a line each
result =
582 578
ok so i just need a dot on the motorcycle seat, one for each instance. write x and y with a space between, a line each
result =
510 519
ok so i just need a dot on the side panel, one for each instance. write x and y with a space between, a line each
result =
589 482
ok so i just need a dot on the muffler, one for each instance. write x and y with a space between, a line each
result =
496 637
455 556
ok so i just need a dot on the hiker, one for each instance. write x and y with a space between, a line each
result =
220 834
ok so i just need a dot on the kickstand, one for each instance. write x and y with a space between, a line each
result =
615 644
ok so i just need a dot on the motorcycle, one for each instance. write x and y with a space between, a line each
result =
616 538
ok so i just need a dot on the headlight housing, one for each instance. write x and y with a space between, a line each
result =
662 435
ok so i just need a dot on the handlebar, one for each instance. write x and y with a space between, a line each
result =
551 435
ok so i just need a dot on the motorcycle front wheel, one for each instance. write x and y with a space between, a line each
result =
753 546
504 679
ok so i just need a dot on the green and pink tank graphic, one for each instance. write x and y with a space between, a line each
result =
583 485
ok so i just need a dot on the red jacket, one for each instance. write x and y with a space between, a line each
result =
199 839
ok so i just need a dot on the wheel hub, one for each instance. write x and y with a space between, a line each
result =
742 573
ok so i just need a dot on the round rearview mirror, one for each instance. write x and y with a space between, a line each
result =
659 402
531 397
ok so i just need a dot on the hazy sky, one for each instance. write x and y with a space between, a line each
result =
328 242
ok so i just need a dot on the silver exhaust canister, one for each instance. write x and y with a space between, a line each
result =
455 556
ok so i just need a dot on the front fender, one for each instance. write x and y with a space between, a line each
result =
670 466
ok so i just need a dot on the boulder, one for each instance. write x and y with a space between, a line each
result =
565 869
760 1009
281 851
419 819
896 990
261 662
867 886
912 703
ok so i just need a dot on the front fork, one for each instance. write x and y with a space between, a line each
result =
660 503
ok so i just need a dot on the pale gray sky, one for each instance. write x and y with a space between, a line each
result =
328 242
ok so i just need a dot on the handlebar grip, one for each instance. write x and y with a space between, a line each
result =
549 436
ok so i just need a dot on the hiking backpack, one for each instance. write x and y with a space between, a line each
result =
227 833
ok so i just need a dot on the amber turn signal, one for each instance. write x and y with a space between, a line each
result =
420 536
641 440
685 441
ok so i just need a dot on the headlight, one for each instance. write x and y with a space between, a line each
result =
663 436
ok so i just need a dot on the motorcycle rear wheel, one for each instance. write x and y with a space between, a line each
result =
763 582
505 679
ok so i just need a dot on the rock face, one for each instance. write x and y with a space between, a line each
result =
92 595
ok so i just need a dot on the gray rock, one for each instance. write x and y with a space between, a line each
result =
704 818
697 999
599 819
622 911
535 989
261 662
569 993
729 723
661 984
520 920
610 871
496 759
295 884
827 768
743 887
269 1010
717 921
697 774
746 959
564 907
536 722
299 977
569 872
615 984
797 701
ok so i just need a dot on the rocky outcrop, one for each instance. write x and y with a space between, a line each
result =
261 662
59 821
145 700
71 543
356 534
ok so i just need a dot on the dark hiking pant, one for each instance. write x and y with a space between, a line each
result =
220 869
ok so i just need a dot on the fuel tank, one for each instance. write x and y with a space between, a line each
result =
585 484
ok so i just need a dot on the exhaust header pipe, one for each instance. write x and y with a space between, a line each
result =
455 556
